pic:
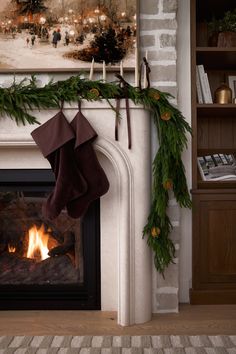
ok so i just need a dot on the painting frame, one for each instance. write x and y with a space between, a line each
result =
232 84
76 67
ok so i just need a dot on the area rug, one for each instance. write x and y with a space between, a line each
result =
163 344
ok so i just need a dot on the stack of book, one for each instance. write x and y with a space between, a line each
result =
217 167
203 88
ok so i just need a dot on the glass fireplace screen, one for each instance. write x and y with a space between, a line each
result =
34 250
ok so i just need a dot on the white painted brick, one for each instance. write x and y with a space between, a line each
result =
170 6
167 290
158 21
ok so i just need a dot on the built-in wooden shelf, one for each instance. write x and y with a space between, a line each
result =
217 58
212 151
212 191
214 131
216 49
219 110
217 185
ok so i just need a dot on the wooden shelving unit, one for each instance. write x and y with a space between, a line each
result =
217 58
214 203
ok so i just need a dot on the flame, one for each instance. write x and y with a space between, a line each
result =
11 249
38 244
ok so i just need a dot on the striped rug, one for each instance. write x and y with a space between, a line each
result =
163 344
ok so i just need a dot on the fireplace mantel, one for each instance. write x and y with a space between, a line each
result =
125 257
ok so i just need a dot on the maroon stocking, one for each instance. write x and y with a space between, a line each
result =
56 140
89 166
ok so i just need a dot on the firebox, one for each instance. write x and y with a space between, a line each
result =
45 264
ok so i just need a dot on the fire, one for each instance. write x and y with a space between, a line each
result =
11 249
38 244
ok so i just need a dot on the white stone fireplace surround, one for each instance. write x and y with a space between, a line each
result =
125 258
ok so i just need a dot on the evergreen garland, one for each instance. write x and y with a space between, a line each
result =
168 169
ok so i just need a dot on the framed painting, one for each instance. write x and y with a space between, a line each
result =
232 84
66 35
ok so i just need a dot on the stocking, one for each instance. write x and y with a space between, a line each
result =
89 166
56 140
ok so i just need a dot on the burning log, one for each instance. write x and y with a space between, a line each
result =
68 245
55 270
3 247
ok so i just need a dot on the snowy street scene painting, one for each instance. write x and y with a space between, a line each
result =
66 34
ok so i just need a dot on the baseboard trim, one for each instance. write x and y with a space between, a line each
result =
212 297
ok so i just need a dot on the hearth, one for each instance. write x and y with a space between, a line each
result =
45 264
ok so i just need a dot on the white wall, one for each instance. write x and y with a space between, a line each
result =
184 104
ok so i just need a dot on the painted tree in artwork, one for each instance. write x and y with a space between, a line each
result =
30 7
107 47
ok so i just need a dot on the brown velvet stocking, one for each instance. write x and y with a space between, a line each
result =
56 140
88 165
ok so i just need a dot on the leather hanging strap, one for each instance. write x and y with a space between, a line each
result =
61 105
128 118
148 70
140 76
124 85
79 105
117 119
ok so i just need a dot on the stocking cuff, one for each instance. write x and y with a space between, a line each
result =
53 134
83 130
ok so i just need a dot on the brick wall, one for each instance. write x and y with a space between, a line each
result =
158 26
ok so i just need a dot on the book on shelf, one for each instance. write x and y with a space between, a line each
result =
199 89
217 167
203 86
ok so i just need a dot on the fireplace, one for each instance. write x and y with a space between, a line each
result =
45 264
126 272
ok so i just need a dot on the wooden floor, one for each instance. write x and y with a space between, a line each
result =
214 319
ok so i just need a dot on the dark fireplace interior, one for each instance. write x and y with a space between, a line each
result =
45 264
